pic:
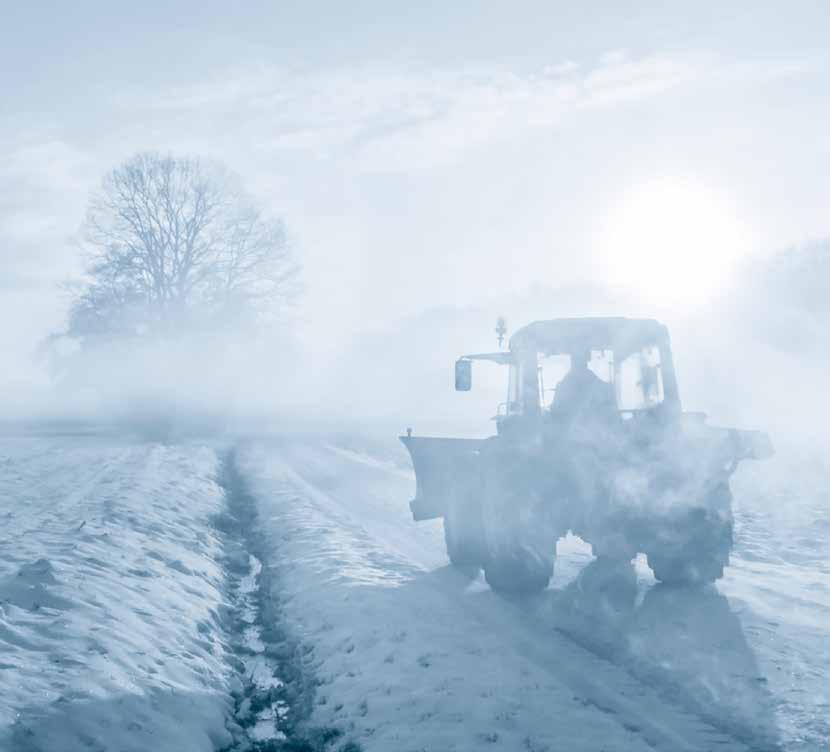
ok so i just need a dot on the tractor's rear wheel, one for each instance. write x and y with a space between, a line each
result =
520 522
702 555
464 537
519 572
688 570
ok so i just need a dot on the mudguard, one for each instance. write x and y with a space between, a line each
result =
444 469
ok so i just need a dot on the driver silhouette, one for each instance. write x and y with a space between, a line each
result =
582 396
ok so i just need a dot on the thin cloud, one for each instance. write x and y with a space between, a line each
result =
379 119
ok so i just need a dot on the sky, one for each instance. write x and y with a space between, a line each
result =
426 154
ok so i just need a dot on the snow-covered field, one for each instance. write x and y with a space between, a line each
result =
779 586
133 614
110 597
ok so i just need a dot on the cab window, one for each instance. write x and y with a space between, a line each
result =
602 364
552 369
639 380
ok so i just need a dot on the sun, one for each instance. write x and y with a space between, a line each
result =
673 240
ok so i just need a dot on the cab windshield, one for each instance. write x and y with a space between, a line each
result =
639 381
637 378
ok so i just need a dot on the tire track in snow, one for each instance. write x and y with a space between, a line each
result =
599 682
276 685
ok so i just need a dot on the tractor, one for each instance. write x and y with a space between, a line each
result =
591 440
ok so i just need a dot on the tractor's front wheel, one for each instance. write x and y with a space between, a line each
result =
519 572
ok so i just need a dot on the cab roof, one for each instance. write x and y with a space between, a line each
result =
571 335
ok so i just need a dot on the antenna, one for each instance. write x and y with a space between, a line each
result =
501 329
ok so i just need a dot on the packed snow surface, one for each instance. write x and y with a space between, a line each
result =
130 620
411 655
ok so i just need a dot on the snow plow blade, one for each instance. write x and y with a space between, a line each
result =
444 469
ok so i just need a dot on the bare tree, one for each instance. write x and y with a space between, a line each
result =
174 242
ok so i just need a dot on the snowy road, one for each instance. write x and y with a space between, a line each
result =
411 655
133 614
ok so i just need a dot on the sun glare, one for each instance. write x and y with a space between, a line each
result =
673 241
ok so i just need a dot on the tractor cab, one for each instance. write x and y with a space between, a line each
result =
583 366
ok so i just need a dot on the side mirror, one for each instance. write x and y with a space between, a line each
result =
463 375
